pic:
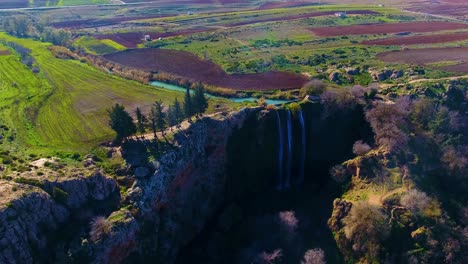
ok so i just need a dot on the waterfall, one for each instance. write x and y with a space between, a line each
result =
303 148
288 172
280 152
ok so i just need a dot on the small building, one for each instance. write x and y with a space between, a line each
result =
340 14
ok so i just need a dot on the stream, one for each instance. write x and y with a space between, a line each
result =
172 87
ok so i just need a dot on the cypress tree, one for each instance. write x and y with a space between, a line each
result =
179 116
188 107
200 101
152 118
141 120
160 116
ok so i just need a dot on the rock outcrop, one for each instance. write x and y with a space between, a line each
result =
31 215
27 215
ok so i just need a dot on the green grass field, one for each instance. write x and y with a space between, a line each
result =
98 47
64 106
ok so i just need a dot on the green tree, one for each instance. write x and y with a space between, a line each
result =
171 119
160 116
179 116
121 122
200 101
153 121
188 107
141 121
17 25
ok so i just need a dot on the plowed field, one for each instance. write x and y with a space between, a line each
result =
413 40
189 66
430 55
387 28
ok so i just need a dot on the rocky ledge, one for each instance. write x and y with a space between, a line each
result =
32 210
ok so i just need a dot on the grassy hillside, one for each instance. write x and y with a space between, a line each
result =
63 107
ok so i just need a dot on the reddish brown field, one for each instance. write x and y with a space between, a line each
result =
132 39
387 28
189 66
285 18
4 52
457 8
413 40
430 55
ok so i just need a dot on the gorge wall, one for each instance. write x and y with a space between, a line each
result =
223 159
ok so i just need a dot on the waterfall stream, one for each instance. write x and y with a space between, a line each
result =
288 172
280 152
303 148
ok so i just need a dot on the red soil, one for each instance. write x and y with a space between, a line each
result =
430 55
4 52
457 8
191 67
413 40
132 39
301 16
387 28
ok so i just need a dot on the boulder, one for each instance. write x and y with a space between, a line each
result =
353 71
396 74
335 77
141 172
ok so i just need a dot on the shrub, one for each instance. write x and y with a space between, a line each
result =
32 182
454 159
59 195
366 228
270 258
100 228
314 87
387 122
360 148
289 222
339 173
314 256
416 201
358 92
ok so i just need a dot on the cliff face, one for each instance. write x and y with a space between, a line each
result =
31 216
25 220
217 160
173 205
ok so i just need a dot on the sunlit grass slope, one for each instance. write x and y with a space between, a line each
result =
64 106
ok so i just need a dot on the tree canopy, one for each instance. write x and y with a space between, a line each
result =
121 122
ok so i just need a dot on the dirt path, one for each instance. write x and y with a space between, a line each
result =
440 79
377 199
170 130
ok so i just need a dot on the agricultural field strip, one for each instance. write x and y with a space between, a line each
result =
122 38
417 26
182 19
419 39
431 56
